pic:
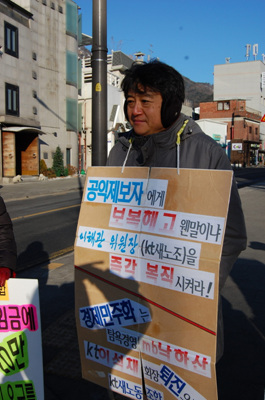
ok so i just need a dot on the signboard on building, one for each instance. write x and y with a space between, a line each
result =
263 118
237 146
147 255
216 137
21 369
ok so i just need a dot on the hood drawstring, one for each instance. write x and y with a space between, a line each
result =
178 141
127 155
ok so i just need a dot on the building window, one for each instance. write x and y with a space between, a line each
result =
11 40
12 100
71 18
250 129
71 68
71 115
68 156
227 105
223 105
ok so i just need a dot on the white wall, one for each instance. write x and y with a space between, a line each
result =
214 129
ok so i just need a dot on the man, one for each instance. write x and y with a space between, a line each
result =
162 136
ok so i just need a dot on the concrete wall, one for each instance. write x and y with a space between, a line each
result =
214 129
18 71
46 37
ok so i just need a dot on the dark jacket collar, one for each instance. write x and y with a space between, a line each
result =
166 138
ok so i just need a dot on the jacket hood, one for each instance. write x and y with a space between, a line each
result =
163 149
166 137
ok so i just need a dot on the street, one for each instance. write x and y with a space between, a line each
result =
44 227
241 369
247 176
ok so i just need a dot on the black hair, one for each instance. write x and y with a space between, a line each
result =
159 78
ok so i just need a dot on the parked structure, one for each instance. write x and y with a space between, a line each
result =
39 83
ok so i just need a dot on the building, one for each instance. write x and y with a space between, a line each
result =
215 129
39 83
117 63
242 125
243 80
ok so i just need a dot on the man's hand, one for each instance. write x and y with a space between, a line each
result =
5 274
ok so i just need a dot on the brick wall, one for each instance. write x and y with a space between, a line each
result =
246 122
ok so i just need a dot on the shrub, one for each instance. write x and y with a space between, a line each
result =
43 167
57 165
50 173
71 170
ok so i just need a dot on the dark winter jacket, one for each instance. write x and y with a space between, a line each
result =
8 249
196 150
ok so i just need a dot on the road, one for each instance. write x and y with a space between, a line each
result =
45 225
241 370
245 176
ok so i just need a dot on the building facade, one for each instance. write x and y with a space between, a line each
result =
242 126
39 83
243 80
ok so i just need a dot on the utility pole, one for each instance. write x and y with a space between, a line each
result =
1 153
99 83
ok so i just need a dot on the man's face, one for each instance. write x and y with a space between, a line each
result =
144 112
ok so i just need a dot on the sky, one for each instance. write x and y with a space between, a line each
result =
192 35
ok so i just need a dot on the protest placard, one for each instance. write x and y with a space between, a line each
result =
147 254
21 367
